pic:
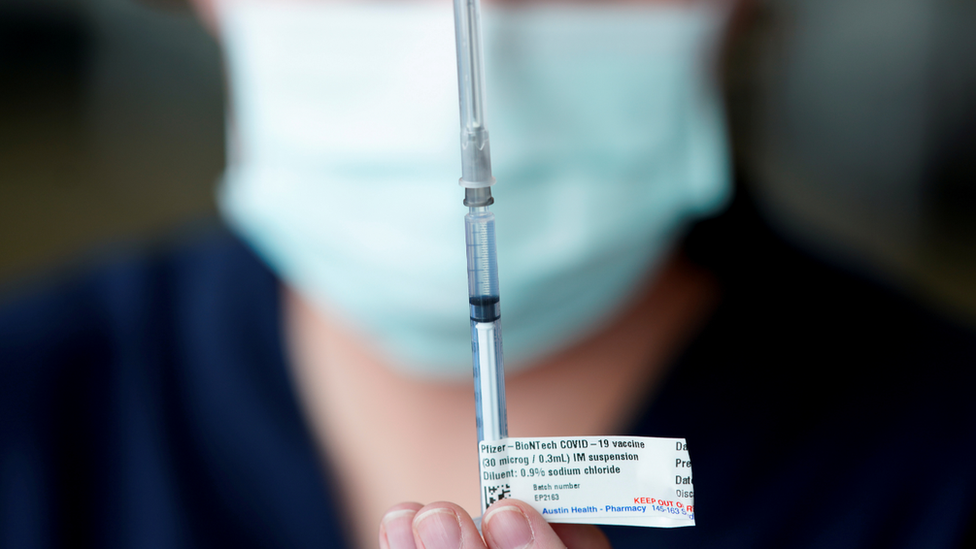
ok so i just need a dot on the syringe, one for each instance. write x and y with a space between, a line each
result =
476 178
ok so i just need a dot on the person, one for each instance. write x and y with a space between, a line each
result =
292 381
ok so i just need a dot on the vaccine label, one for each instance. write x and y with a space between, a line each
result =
626 481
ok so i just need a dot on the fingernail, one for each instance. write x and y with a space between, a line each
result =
398 530
508 528
439 529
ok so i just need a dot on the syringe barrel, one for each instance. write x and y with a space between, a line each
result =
486 332
479 227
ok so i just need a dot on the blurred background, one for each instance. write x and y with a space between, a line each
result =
111 127
853 121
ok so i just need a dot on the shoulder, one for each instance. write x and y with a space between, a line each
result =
139 300
821 408
788 317
152 390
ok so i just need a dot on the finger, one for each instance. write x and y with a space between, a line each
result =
513 524
444 525
396 529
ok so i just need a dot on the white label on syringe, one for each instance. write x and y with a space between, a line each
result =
627 481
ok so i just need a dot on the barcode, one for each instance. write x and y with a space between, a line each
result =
496 493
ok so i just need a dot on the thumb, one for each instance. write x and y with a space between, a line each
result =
513 524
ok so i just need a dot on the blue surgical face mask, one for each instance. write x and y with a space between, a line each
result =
607 138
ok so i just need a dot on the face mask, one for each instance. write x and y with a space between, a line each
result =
607 139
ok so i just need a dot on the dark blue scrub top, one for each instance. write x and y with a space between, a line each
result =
148 404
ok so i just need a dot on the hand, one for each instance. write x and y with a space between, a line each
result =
508 524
